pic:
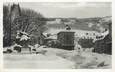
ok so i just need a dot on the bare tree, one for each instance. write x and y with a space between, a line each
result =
27 21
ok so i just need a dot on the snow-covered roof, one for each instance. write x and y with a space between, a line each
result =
24 37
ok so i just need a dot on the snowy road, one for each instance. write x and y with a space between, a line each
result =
58 59
36 61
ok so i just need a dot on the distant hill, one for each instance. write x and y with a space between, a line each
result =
79 23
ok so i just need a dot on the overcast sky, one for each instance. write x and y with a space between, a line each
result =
70 9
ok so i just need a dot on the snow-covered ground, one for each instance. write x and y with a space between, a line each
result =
58 59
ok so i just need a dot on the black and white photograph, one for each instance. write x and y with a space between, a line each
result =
57 35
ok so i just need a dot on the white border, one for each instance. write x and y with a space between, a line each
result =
56 0
55 70
1 39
